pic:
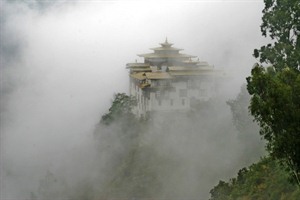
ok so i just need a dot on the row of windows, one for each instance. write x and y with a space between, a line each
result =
171 102
166 94
182 93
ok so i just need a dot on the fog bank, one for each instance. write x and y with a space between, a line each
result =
62 61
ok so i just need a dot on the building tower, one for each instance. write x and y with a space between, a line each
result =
168 80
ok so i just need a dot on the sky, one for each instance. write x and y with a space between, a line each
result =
62 61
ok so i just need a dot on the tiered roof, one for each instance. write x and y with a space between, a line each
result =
184 66
166 51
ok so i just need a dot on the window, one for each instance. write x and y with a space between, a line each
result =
183 92
203 92
192 84
171 102
162 83
157 94
183 102
172 89
164 68
159 102
166 95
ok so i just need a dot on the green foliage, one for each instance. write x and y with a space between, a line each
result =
221 191
239 110
263 180
136 176
281 21
121 108
275 101
275 105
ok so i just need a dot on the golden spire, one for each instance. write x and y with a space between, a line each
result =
166 43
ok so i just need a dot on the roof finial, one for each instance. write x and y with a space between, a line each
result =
166 43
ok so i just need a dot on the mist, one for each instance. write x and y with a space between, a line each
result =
62 61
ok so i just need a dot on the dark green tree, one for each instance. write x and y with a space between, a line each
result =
275 90
281 21
221 191
121 108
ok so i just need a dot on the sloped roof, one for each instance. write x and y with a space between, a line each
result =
162 55
140 69
139 76
184 64
182 68
158 75
191 73
166 49
131 65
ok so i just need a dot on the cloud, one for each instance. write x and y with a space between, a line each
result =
61 62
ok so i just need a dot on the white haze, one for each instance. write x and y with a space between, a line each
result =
61 63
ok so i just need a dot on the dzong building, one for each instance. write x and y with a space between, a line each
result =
169 80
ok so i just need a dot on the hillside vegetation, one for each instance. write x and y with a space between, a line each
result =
274 104
170 156
263 180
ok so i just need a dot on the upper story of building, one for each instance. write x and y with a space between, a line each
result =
169 80
166 62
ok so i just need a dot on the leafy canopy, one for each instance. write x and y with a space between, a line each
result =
121 108
261 181
281 21
275 90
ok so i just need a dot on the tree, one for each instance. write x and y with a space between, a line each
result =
281 21
275 90
221 191
121 107
262 180
247 129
